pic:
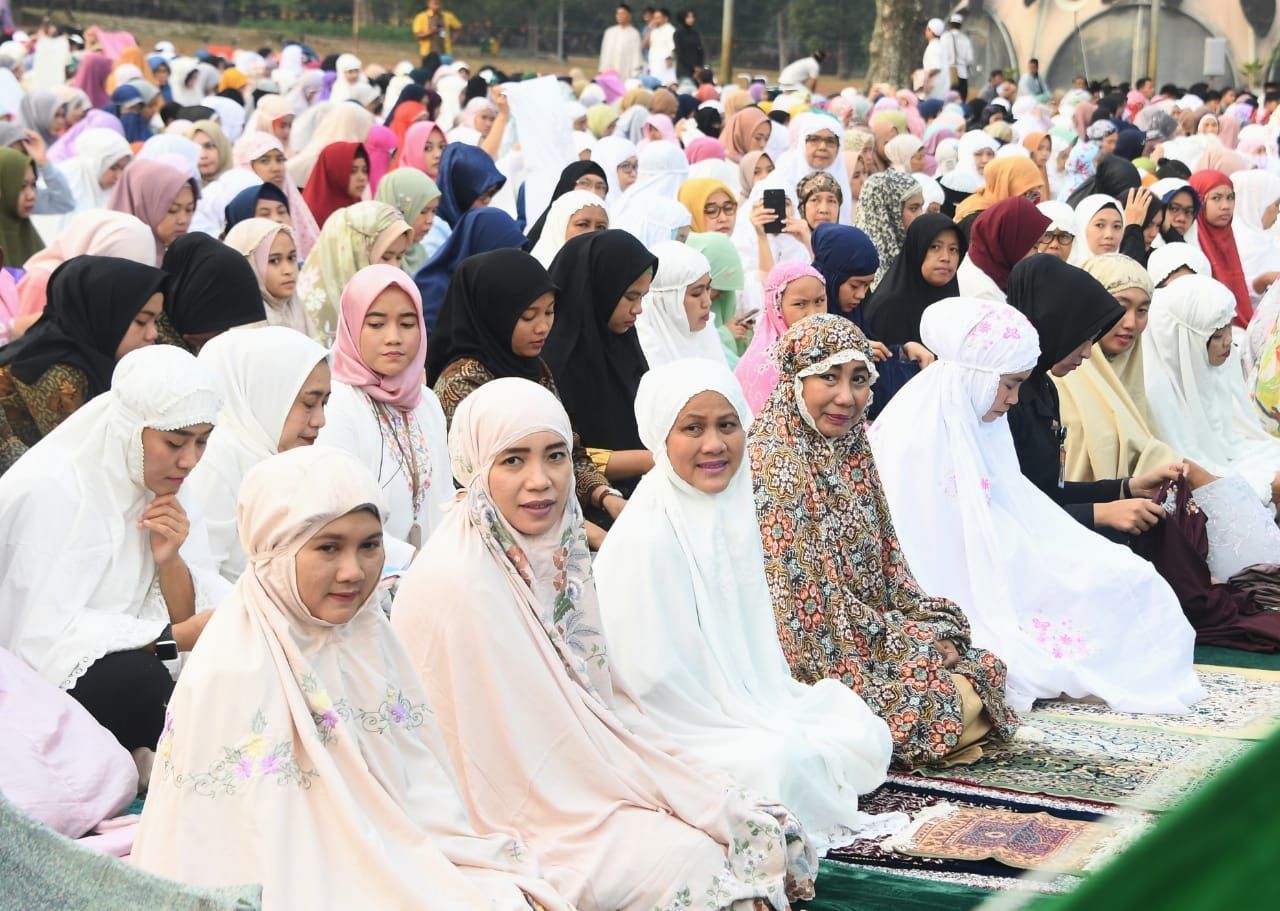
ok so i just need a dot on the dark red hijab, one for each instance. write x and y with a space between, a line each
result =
1004 233
326 190
1219 245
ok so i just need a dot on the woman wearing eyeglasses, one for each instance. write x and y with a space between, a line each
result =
815 146
1060 236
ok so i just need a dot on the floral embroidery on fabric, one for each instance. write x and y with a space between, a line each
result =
256 756
846 604
395 712
1061 638
323 713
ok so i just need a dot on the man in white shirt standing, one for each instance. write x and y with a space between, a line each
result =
802 75
620 49
662 46
937 62
961 49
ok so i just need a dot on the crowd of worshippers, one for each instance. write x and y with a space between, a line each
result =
454 489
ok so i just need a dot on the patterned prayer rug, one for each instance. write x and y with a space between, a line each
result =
1108 763
1239 703
910 795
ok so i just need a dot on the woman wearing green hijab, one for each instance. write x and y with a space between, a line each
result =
726 282
417 197
18 236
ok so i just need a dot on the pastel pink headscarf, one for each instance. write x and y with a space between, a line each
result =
380 143
413 154
704 148
252 146
757 372
662 123
404 390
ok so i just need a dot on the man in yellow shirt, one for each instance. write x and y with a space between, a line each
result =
435 28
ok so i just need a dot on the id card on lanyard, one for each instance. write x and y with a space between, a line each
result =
1060 433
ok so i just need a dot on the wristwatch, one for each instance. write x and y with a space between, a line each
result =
610 492
166 646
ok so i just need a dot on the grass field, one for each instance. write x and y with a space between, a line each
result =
188 36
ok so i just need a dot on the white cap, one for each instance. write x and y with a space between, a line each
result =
937 27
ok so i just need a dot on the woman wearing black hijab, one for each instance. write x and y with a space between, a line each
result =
594 352
1114 176
498 312
1071 310
100 308
899 301
212 288
569 177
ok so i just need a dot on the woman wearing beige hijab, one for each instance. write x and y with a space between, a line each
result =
499 613
299 751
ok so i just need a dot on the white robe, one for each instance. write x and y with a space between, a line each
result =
620 51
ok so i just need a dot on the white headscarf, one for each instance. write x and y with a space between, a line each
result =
77 579
657 221
1201 411
662 168
96 151
1259 249
663 324
610 152
1061 216
690 625
341 90
1085 210
1164 261
231 116
1036 587
559 215
291 735
964 177
793 166
259 374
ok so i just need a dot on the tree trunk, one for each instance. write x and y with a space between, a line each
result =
897 43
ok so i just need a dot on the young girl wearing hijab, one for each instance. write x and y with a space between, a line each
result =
1215 237
380 410
215 150
477 231
100 308
727 282
270 250
416 197
845 601
890 201
264 155
101 157
514 546
1035 587
999 239
274 383
719 685
161 197
211 289
746 131
422 148
1101 227
265 200
595 354
676 320
340 179
792 292
468 179
19 240
363 234
575 213
105 572
578 175
316 682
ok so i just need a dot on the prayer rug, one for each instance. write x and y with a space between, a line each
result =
1234 657
910 795
1080 758
1239 703
845 888
1027 841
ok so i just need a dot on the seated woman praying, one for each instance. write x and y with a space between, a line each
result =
845 601
380 411
1035 586
274 384
501 618
105 570
690 624
299 729
677 321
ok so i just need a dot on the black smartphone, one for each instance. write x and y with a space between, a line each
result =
776 201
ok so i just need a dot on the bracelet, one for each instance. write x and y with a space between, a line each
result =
609 492
1126 492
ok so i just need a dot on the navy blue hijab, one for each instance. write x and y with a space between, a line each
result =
478 231
244 203
466 172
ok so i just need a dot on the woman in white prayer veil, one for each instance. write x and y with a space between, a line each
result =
679 297
690 624
662 168
815 146
1038 588
659 220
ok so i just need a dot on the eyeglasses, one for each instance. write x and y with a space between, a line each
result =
591 184
713 211
628 166
822 141
1033 194
1174 209
1061 238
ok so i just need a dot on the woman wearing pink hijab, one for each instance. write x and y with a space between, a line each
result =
704 148
380 144
423 148
161 197
264 155
791 292
381 412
